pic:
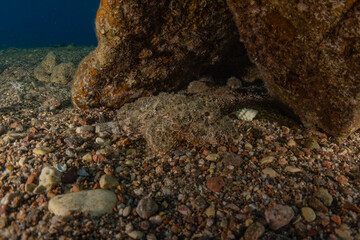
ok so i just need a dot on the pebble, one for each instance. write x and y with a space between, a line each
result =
291 143
151 236
108 182
267 160
70 176
233 83
270 172
146 208
311 144
308 214
215 184
317 205
126 211
95 202
214 157
136 234
324 196
184 210
254 231
22 161
42 150
210 211
344 232
87 157
278 216
85 129
292 169
30 187
48 178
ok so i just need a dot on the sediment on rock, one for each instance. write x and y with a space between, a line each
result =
158 45
308 53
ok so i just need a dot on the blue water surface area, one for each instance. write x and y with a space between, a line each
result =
37 23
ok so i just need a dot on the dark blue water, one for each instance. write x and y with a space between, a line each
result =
36 23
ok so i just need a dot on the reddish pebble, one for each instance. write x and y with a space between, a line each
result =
336 219
215 184
342 179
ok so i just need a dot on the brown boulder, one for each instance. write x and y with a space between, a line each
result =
148 46
308 52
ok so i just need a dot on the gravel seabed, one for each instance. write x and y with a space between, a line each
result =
273 180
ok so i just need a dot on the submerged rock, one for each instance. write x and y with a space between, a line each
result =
309 55
145 47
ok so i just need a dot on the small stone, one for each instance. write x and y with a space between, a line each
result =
126 211
270 172
85 129
151 236
254 231
3 222
130 152
233 83
267 160
87 157
291 143
129 227
95 202
42 150
317 205
30 187
292 169
278 215
40 189
184 210
51 104
311 144
49 178
22 161
82 173
324 196
342 179
343 232
136 235
210 211
214 157
248 146
215 184
308 214
146 208
157 219
108 182
70 176
197 87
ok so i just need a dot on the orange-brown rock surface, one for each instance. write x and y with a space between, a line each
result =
148 46
308 52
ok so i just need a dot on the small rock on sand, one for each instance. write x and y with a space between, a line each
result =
95 202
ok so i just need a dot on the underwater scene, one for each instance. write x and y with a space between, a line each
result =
206 119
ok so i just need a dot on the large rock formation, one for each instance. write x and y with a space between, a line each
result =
148 46
309 54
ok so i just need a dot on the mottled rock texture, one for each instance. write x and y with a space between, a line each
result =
308 52
148 46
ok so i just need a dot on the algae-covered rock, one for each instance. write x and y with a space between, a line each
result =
148 46
309 55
